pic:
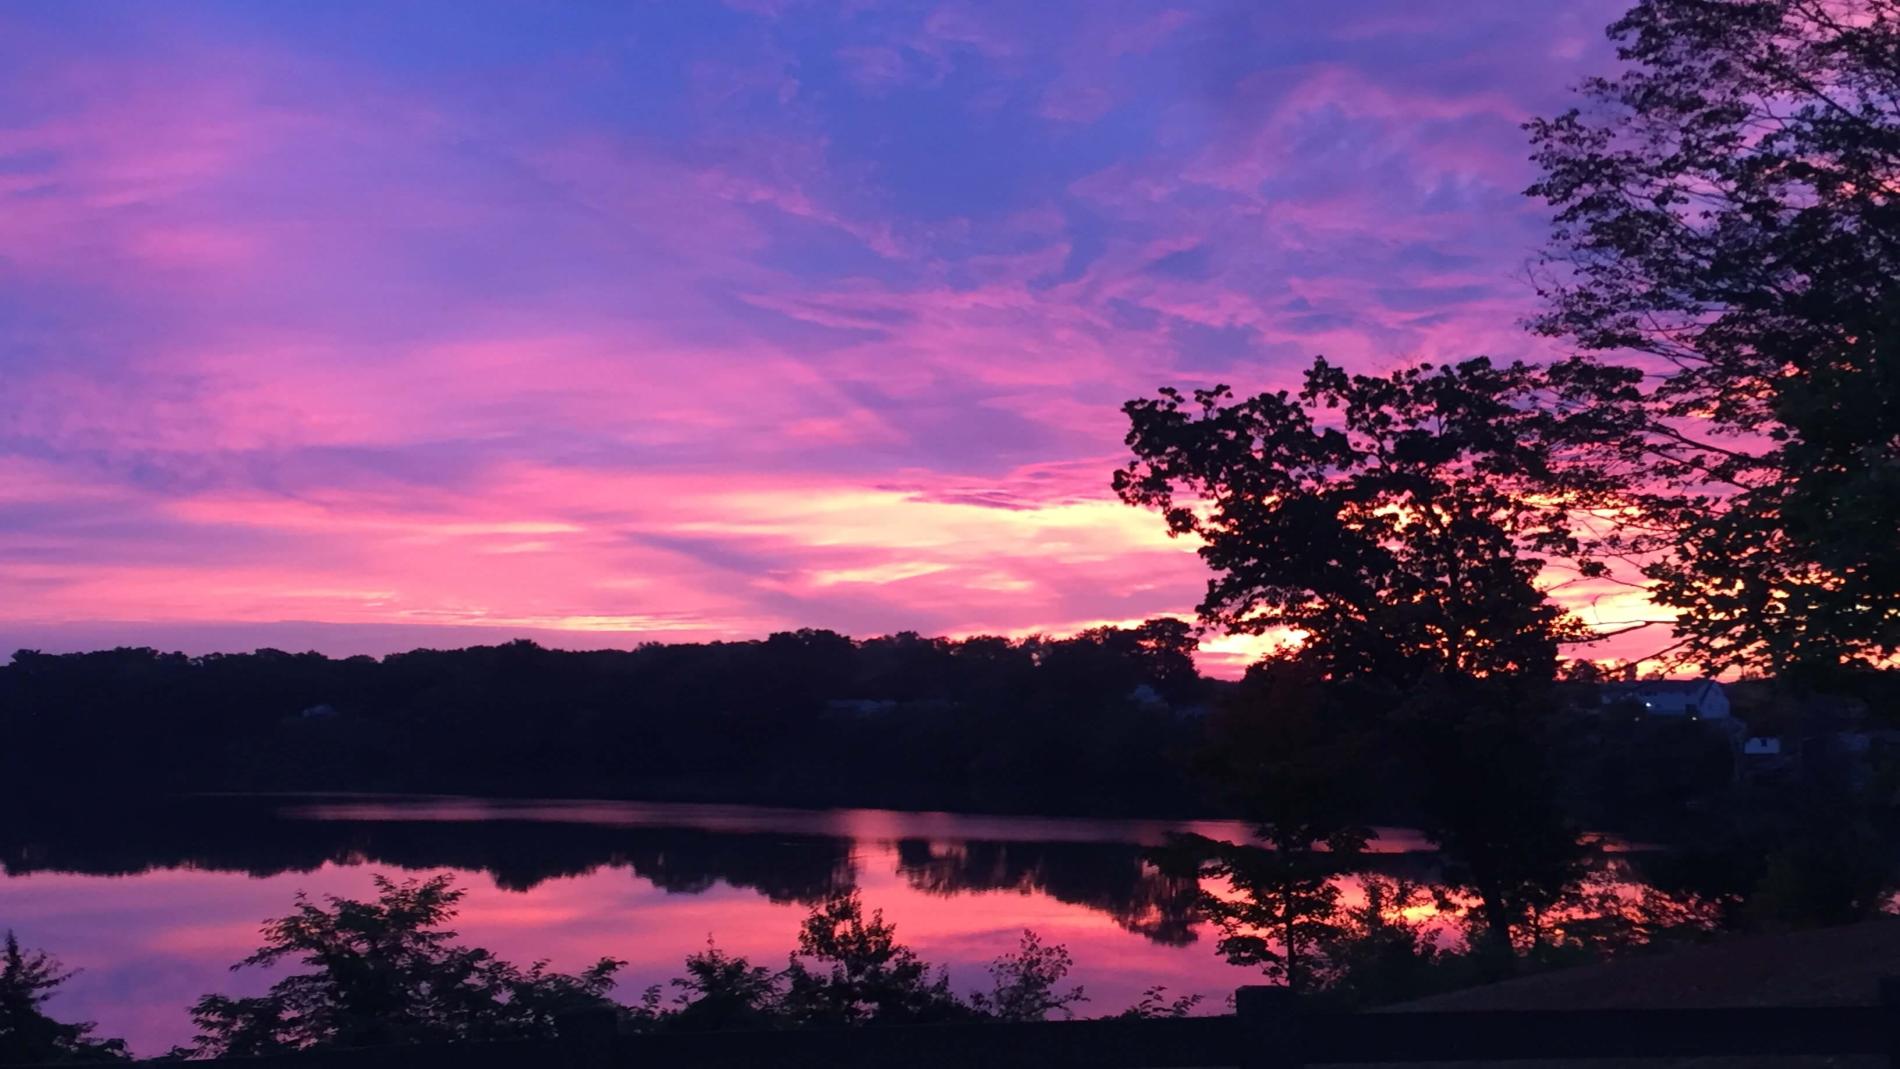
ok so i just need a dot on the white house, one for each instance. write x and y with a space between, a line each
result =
1700 699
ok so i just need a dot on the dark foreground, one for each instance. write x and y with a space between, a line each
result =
1268 1030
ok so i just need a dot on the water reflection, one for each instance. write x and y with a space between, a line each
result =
155 901
1111 878
678 849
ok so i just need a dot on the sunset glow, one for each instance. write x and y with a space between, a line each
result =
360 328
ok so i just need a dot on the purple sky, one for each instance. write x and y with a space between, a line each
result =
366 326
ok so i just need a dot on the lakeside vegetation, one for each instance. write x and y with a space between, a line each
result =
389 970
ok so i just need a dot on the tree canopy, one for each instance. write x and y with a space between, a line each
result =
1725 217
850 969
387 971
1396 523
1397 527
805 717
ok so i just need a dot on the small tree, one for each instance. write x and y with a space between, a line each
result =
850 969
724 991
1155 1004
1291 762
1027 983
1282 913
386 972
27 1034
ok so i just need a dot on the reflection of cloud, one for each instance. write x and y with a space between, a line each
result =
647 895
832 331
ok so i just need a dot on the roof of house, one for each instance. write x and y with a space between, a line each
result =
1688 688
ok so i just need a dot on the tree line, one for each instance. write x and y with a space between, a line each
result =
1086 723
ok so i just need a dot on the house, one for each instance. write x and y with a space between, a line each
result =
1698 699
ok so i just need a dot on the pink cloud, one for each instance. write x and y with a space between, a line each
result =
540 340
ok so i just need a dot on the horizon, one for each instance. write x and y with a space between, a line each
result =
360 329
1215 659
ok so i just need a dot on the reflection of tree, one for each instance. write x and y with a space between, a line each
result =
1110 877
237 837
803 869
248 836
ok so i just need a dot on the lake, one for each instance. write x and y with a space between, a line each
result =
154 903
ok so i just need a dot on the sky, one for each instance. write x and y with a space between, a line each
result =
367 326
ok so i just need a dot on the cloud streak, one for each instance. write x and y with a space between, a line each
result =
701 322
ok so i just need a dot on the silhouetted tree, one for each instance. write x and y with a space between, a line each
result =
1027 983
1395 525
387 971
1725 208
807 718
1492 803
722 991
1380 955
1392 521
1155 1004
27 1035
1295 769
1282 910
1826 861
850 969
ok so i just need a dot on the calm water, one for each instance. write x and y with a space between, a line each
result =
154 905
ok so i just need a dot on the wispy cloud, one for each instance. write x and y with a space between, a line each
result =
701 321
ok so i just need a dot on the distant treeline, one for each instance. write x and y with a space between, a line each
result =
1097 723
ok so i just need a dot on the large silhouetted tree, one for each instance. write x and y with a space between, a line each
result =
1725 215
1396 526
1397 522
